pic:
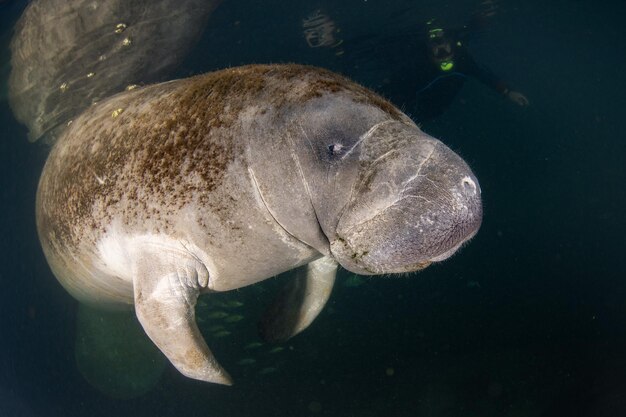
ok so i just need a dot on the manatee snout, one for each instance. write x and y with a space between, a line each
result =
416 205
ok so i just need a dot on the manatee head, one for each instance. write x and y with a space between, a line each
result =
359 180
414 202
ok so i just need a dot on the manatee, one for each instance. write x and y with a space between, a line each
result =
68 54
215 182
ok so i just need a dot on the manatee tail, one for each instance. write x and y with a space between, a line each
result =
113 353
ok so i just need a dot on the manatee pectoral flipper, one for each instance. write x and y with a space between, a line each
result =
300 301
166 287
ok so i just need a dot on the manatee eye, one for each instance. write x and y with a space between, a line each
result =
335 148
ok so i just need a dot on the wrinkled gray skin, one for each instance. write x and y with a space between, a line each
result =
219 181
68 54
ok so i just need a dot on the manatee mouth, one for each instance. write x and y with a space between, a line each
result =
377 253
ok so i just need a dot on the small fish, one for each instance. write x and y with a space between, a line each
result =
473 284
233 319
277 349
222 333
216 328
253 345
200 319
217 315
267 370
246 361
218 304
233 304
202 303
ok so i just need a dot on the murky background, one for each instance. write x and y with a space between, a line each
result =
528 320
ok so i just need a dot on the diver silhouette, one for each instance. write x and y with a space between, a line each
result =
424 73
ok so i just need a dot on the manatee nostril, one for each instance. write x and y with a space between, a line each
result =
469 185
335 148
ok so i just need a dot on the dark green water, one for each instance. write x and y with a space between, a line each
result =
528 320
